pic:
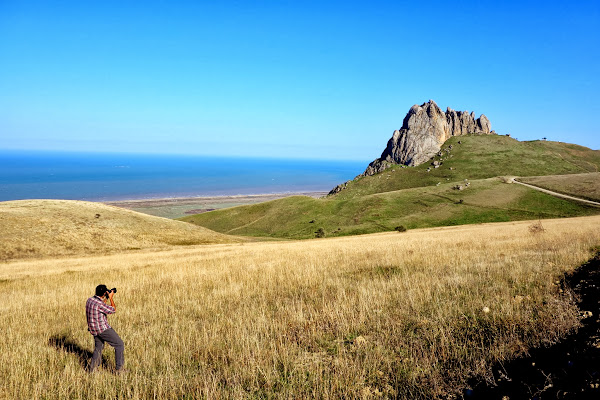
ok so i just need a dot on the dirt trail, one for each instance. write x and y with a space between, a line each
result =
564 196
568 370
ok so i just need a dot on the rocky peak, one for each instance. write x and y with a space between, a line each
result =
424 130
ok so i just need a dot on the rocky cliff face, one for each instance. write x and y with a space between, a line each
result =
424 129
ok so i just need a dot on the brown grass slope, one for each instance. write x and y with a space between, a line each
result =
45 228
408 316
586 186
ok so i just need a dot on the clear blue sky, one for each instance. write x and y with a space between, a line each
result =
305 79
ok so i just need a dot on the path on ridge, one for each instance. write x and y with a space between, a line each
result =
550 192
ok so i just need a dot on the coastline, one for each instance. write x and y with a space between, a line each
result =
177 207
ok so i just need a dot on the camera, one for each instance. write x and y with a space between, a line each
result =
113 290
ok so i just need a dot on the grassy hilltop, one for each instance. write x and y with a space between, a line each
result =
424 196
42 228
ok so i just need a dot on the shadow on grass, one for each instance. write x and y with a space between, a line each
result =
566 370
62 342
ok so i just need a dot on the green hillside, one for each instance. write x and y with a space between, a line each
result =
486 200
415 198
479 157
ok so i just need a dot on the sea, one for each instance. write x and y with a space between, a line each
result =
118 176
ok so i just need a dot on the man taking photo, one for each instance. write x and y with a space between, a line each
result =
96 311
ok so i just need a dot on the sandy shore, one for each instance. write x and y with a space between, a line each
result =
182 206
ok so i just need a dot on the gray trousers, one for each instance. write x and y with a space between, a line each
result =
109 336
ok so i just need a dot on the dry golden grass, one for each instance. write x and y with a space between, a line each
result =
409 315
579 185
41 228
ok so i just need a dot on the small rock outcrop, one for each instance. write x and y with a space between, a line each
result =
424 130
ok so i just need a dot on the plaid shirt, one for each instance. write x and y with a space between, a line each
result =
95 311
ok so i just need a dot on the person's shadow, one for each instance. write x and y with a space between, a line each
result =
63 342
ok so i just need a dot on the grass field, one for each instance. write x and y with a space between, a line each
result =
39 228
386 315
407 315
586 186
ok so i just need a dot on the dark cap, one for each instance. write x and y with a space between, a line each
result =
101 290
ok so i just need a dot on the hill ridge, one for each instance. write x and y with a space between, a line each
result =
49 228
426 196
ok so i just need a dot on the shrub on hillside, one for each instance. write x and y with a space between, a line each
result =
400 228
536 227
320 233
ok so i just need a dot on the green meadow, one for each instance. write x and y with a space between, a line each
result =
470 186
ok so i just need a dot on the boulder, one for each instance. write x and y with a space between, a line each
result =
338 188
